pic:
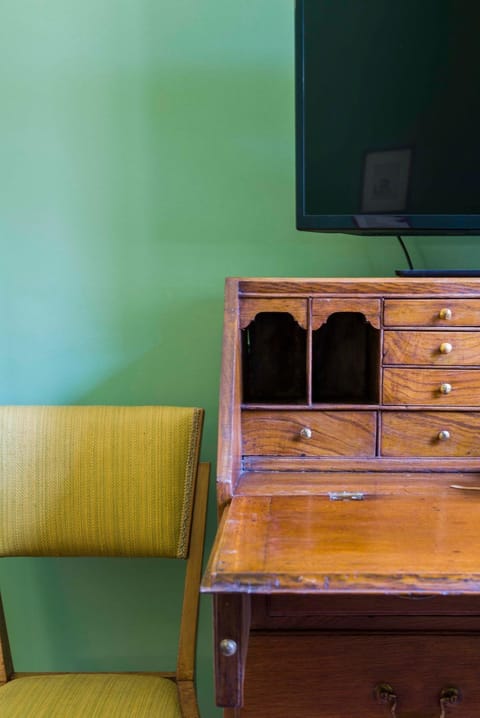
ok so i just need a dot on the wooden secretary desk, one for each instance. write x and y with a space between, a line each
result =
346 568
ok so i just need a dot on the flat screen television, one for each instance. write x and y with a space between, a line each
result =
388 116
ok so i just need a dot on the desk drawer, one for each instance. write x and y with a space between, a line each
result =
441 312
307 605
431 348
336 676
364 614
430 434
437 387
309 433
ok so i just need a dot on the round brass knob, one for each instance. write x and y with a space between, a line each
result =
445 348
228 647
306 433
445 388
445 313
443 435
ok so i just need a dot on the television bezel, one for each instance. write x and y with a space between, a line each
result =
425 224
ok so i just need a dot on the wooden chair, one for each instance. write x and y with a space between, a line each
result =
103 481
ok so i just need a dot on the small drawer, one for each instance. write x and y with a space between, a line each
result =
309 433
436 387
431 348
430 434
432 312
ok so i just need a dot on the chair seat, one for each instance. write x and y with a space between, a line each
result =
90 696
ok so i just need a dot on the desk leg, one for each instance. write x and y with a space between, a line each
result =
231 632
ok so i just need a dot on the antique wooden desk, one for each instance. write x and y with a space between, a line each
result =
346 568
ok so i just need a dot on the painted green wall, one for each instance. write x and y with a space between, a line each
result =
146 153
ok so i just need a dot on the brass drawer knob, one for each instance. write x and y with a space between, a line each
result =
306 433
445 313
445 348
228 647
443 435
445 388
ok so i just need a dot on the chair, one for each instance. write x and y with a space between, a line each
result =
103 481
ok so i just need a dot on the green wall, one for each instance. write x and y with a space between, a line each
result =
146 153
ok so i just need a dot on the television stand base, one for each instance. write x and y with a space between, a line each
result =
437 272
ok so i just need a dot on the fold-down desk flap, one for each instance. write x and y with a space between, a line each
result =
311 544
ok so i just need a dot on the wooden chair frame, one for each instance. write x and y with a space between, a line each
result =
184 675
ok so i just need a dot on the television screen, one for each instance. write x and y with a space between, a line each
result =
388 116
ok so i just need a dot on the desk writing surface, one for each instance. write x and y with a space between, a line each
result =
421 543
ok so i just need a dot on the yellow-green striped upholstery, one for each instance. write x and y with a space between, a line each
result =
89 696
97 480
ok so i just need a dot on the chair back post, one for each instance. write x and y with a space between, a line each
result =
189 619
6 663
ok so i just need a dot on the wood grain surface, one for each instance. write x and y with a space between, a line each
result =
425 348
423 312
418 433
336 433
335 676
422 387
310 544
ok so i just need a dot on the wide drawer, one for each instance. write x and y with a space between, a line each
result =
431 348
339 676
287 605
438 387
366 613
439 312
309 433
430 434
